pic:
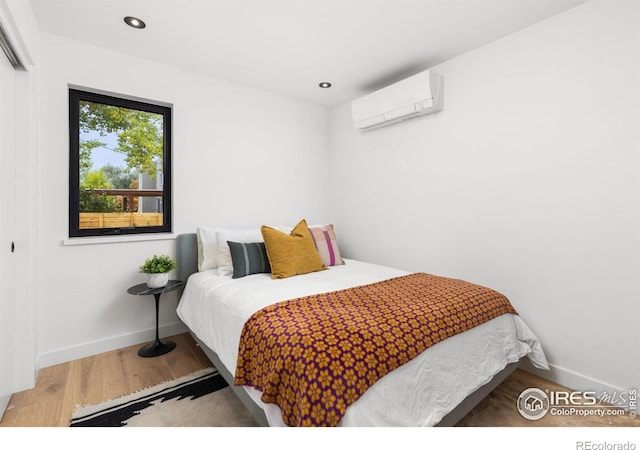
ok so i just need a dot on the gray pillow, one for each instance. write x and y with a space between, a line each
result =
248 258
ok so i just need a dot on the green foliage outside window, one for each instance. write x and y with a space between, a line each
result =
139 134
95 203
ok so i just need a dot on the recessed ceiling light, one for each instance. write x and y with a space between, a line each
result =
325 85
134 22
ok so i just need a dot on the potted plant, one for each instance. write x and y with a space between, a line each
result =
157 269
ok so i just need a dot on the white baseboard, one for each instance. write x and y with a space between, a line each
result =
571 380
106 345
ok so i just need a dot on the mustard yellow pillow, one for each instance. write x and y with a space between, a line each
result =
291 254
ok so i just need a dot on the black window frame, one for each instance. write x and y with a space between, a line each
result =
75 97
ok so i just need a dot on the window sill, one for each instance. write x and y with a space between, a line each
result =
118 239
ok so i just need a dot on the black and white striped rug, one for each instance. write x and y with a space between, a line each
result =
199 399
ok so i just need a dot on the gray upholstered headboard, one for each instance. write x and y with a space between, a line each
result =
187 255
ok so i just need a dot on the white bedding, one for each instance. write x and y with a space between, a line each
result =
419 393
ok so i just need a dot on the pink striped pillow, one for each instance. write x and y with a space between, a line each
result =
325 240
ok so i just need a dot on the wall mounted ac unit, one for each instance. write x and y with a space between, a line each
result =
412 97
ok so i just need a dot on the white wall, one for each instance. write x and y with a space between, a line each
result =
526 182
240 157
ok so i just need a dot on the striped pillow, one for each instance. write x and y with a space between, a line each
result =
248 258
325 240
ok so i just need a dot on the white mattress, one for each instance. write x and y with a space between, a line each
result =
419 393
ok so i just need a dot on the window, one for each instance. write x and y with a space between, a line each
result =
119 166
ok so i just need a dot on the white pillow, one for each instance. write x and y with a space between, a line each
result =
243 235
207 248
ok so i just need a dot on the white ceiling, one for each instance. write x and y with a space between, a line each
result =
289 46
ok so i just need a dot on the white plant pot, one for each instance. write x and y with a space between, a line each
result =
157 280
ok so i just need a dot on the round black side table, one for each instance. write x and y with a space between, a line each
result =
157 347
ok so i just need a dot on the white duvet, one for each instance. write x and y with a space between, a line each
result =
419 393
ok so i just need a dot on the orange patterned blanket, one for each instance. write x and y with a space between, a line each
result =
314 356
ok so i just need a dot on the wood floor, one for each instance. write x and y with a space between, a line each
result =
59 389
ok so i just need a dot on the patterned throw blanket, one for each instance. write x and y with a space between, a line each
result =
314 356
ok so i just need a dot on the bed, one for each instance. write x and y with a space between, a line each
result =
437 387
